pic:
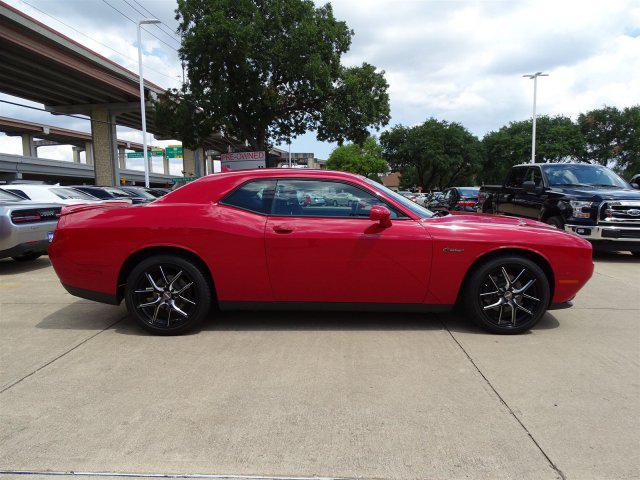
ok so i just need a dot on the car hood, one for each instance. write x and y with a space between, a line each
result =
480 220
598 194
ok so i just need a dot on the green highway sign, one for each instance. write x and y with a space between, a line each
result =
173 151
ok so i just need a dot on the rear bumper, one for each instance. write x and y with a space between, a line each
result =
29 247
92 295
608 237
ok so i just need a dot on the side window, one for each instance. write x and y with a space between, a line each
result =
255 196
534 175
316 198
516 177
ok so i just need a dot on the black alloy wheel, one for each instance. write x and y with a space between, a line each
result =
167 295
507 294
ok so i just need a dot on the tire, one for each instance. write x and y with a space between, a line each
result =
515 310
557 222
168 295
27 257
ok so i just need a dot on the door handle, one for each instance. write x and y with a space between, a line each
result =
282 228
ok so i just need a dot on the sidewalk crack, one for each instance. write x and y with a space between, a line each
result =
502 400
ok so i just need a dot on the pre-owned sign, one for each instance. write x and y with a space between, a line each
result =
242 156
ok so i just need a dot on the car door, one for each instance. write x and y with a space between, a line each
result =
529 204
321 253
507 195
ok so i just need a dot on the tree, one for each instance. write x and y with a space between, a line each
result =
266 71
557 139
435 154
365 159
612 138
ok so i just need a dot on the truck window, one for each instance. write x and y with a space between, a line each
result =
534 175
515 178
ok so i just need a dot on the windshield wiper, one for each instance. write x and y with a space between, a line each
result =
606 185
572 185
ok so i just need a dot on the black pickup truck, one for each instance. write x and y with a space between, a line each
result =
588 200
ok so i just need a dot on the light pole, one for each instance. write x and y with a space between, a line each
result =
143 116
289 153
534 76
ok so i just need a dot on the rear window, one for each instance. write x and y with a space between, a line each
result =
469 192
19 193
71 193
254 196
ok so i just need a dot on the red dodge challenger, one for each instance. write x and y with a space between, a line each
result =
249 240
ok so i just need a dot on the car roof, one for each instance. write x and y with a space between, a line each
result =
551 164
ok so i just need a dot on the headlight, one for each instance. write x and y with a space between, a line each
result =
580 209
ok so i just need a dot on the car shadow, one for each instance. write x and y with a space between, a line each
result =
8 266
615 257
82 315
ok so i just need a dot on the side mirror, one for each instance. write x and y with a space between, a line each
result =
380 214
529 186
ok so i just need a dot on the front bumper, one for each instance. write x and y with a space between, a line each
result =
608 237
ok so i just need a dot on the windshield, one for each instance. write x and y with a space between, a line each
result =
469 192
414 207
586 175
71 193
139 193
9 196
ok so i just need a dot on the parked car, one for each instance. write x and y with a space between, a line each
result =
635 181
242 240
108 193
25 227
458 199
139 193
588 200
158 192
340 198
50 193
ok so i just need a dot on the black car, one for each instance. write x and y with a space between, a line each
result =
108 193
589 200
158 192
457 199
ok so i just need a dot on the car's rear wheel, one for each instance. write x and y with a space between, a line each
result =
27 257
167 295
507 295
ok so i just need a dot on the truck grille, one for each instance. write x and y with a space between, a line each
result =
623 211
622 233
35 215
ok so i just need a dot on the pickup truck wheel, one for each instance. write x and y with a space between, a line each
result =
27 257
507 295
167 295
557 222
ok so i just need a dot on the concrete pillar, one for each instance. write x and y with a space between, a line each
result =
88 153
122 157
75 152
105 154
188 162
165 165
28 148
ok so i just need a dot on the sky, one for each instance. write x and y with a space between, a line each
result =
458 61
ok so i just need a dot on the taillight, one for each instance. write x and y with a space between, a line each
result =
22 217
466 203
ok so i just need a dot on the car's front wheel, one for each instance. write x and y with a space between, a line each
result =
167 294
507 295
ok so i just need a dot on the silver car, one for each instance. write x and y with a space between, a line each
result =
26 227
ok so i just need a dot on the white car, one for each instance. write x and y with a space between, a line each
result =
50 193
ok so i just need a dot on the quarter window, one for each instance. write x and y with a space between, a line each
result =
255 196
316 198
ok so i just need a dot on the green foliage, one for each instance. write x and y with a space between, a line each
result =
557 139
359 101
436 153
265 71
612 138
365 159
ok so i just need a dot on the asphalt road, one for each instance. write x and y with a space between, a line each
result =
322 394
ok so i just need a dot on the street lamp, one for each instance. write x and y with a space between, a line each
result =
534 76
146 21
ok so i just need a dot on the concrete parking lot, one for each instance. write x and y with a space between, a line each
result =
323 394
